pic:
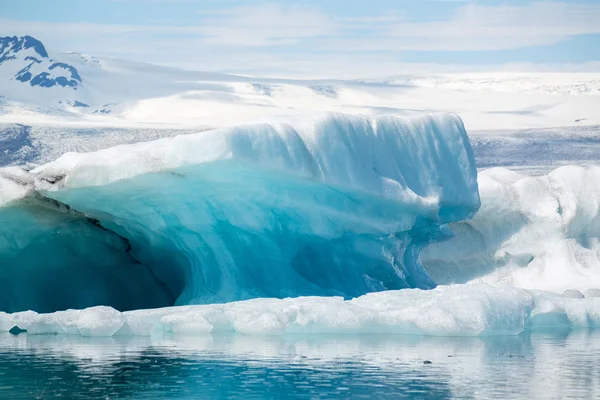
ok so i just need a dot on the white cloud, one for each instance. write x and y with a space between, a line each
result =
470 27
266 24
478 27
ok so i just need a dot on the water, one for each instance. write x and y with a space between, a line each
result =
548 366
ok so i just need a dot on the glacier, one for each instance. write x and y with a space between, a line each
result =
325 205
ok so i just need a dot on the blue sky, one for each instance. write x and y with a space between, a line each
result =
377 35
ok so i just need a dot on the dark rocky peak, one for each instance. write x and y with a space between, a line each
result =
37 69
10 46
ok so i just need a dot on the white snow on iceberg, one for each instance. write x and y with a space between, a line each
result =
532 232
332 205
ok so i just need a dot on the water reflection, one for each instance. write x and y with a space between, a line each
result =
527 366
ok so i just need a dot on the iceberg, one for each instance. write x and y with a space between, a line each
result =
533 232
326 205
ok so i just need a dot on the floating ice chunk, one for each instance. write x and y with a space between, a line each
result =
95 321
15 330
99 321
454 310
458 310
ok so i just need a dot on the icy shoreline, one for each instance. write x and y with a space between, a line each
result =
457 310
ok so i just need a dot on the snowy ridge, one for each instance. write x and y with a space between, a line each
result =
326 205
532 232
36 83
460 310
118 93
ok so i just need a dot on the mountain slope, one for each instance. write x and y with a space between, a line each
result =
33 79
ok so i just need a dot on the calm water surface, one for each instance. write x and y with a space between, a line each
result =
545 366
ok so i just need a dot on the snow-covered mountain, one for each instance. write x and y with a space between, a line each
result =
43 88
40 70
34 80
27 69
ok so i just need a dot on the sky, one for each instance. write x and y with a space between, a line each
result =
375 37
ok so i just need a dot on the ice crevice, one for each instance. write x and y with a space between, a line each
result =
65 247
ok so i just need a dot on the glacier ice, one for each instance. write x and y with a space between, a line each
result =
305 226
328 205
457 310
532 232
